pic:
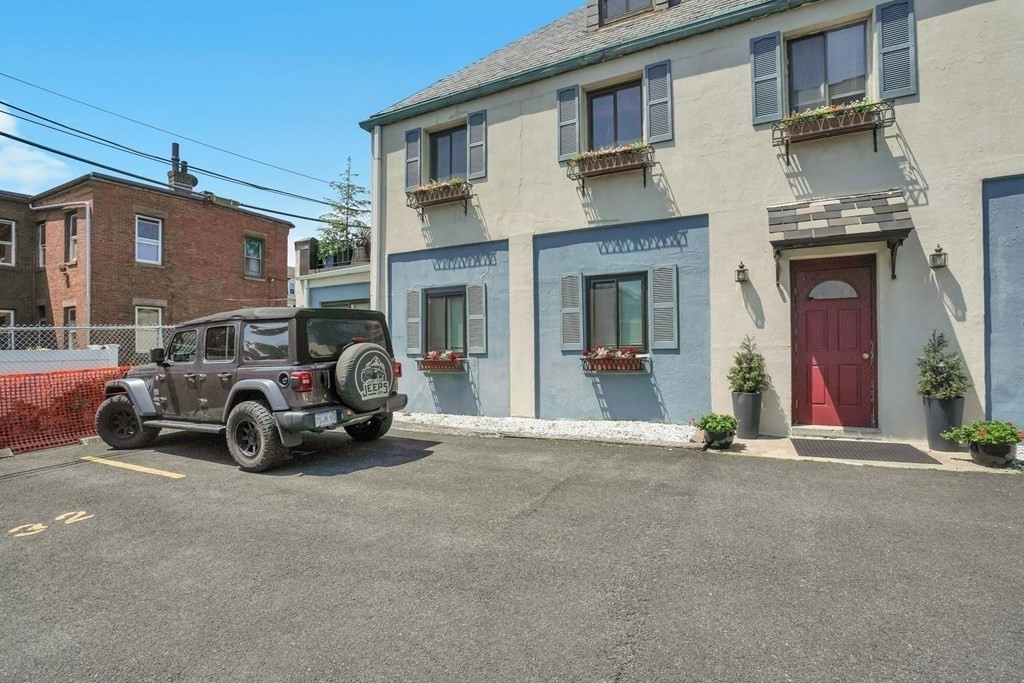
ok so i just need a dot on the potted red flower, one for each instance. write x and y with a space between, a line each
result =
992 443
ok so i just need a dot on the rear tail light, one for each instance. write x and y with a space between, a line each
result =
397 368
302 381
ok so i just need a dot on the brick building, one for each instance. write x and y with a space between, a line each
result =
103 250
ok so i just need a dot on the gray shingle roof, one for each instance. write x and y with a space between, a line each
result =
568 40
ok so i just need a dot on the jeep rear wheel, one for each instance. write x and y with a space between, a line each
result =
253 439
118 425
372 430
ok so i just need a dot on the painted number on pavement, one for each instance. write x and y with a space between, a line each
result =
37 528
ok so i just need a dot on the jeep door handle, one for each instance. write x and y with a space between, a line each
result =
201 377
190 377
224 375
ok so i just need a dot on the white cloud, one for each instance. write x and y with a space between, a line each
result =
25 169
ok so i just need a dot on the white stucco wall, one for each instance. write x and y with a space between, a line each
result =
960 129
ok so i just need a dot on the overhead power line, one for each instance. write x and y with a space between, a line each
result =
163 130
91 137
157 183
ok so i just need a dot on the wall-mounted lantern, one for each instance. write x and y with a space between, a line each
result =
939 258
742 274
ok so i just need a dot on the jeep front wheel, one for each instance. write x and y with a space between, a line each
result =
253 439
372 430
118 425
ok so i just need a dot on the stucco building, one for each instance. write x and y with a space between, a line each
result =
831 219
331 280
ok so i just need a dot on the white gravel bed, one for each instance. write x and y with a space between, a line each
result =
578 430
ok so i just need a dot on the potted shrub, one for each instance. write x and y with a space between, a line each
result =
719 430
748 377
992 443
942 386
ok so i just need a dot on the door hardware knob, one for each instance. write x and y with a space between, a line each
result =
866 356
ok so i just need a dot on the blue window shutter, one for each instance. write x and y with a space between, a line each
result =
766 77
568 123
476 318
413 327
664 308
658 88
412 158
476 164
572 312
897 49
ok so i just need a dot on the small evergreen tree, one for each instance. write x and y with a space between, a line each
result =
346 226
942 372
749 373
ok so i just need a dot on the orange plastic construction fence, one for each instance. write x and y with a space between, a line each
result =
51 409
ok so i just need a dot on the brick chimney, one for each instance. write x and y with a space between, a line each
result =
178 178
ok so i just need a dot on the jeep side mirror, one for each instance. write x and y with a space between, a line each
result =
156 356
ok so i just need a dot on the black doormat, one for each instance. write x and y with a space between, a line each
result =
873 451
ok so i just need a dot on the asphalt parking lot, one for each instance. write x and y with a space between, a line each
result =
429 557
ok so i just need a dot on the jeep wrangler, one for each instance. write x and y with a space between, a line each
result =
263 377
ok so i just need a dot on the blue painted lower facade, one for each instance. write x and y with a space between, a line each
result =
678 385
484 388
357 291
1004 297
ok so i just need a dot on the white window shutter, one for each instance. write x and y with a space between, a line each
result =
766 77
476 319
664 308
412 158
658 88
476 164
413 326
572 312
568 123
897 49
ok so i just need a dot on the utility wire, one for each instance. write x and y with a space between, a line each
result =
91 137
158 183
162 130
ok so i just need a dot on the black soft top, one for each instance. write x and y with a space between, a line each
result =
287 313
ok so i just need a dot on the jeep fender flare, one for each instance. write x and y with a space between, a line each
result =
270 390
137 390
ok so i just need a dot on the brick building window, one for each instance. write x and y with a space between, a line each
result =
148 335
6 320
149 240
71 237
70 321
41 232
7 243
253 257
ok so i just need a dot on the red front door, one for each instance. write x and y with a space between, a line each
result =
834 342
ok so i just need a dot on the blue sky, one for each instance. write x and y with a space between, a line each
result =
286 83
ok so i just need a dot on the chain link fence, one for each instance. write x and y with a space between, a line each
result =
133 343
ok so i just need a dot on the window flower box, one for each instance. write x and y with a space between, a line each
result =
440 192
833 120
441 362
613 360
638 157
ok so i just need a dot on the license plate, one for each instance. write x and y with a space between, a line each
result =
326 419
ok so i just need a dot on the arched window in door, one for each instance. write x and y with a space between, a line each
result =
832 289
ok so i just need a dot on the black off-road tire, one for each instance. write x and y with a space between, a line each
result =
372 430
118 425
253 439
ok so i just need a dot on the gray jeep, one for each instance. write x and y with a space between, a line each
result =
263 377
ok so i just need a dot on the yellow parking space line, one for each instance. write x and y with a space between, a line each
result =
134 468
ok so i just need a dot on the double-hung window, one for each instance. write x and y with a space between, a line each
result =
253 257
70 323
41 233
446 321
448 154
828 68
148 240
613 9
70 237
7 243
6 338
148 333
617 311
616 116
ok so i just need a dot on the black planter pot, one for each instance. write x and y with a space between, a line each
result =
720 442
941 416
747 410
992 454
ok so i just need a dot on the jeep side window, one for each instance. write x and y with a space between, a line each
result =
265 341
220 344
183 347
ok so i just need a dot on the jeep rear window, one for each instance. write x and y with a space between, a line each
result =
327 337
265 341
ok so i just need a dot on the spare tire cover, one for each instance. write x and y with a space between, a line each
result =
364 377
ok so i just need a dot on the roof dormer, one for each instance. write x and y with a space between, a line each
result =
603 12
